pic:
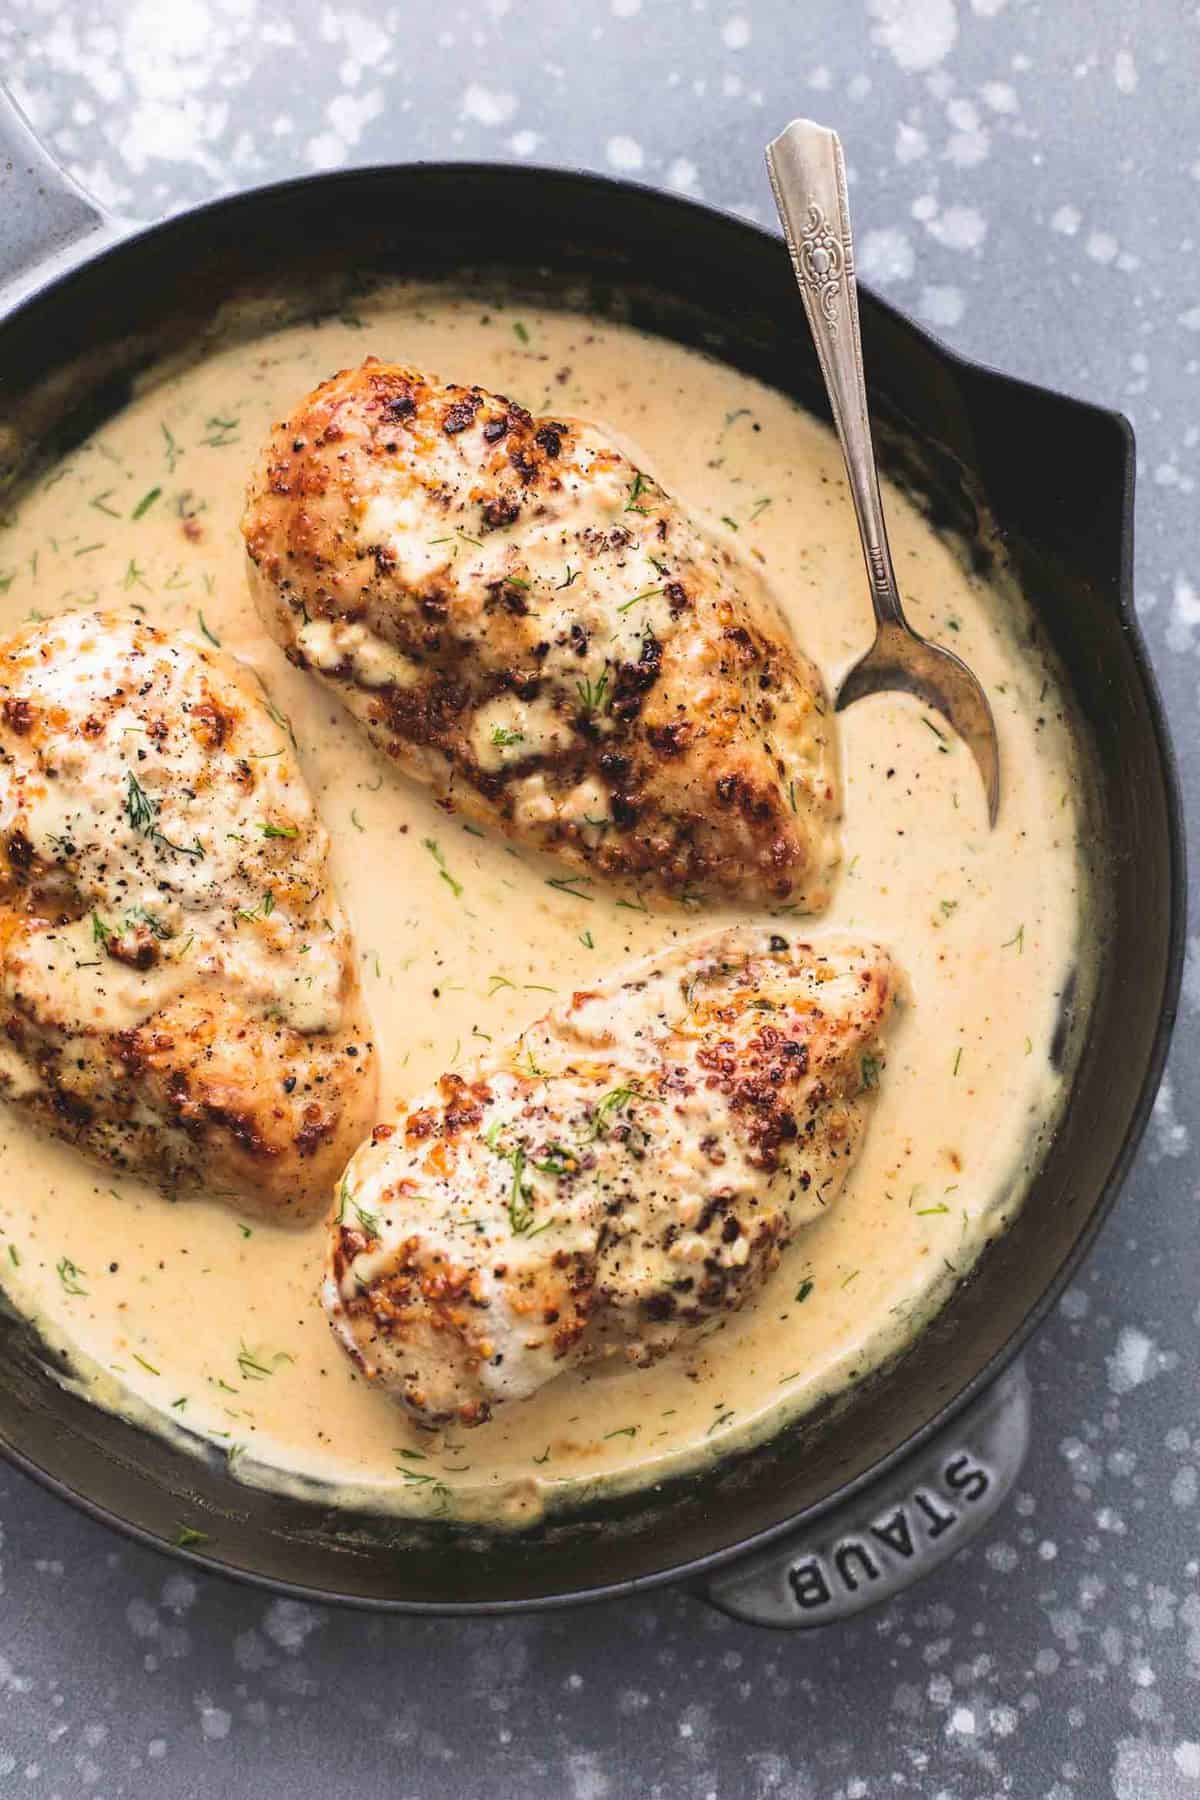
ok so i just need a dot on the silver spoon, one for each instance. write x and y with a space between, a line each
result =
808 176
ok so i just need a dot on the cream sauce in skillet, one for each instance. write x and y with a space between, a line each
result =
196 1323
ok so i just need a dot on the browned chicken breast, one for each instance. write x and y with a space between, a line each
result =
177 985
525 621
628 1171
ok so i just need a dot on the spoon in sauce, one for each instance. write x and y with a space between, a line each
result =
808 176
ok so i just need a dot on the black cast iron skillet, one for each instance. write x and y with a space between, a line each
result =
90 304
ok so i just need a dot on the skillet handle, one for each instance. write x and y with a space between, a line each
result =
897 1530
47 222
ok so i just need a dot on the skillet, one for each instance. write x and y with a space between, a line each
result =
844 1508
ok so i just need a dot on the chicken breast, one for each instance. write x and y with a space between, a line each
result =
525 621
177 982
627 1172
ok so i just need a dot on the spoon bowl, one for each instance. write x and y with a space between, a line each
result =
900 660
808 178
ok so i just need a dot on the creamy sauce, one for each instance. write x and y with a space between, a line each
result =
197 1323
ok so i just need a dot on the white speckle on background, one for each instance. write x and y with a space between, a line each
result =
624 153
1067 219
942 305
1191 974
587 1777
962 1722
1074 1303
1136 1359
1102 246
1184 1486
1181 627
1125 72
214 1720
1191 318
924 207
910 143
349 114
987 9
524 143
683 176
885 256
1187 1759
289 1623
918 33
735 33
486 106
999 96
959 228
1146 1771
626 9
820 79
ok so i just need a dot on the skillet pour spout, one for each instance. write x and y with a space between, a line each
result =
992 459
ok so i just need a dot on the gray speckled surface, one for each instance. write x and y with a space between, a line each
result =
1026 178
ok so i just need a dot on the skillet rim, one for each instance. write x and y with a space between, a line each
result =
85 254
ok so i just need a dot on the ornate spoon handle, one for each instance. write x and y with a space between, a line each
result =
808 176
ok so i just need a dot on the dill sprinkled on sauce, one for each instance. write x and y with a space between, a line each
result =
245 1230
210 635
957 1059
852 1276
792 799
146 1365
68 1274
593 695
572 576
220 432
145 503
803 1291
98 501
587 940
759 507
86 549
929 725
732 523
924 1212
253 1368
870 1072
637 488
722 1418
134 577
621 1431
1029 1046
434 849
638 905
278 831
1017 938
13 1256
178 1405
6 581
355 820
172 449
503 737
948 908
187 1537
650 594
565 885
520 331
731 418
100 931
412 1455
544 1457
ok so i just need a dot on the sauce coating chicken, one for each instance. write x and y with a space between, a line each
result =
525 621
630 1169
177 987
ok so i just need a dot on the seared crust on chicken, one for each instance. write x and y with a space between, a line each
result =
525 621
629 1170
177 986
